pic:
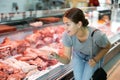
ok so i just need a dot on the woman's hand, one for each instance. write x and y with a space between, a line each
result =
53 55
92 62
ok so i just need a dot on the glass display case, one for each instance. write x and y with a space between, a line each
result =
24 53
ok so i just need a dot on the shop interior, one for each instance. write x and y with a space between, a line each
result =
30 27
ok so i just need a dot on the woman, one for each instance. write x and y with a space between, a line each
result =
78 45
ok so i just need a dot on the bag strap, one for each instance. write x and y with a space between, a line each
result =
94 32
92 43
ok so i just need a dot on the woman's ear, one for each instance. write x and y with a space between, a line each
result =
79 24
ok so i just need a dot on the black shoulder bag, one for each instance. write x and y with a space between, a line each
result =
100 73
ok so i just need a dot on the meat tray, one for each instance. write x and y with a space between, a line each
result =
28 50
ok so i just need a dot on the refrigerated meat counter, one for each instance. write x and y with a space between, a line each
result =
24 54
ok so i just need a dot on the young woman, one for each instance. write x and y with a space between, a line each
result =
79 45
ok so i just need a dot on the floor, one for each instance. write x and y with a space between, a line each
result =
114 72
112 62
113 68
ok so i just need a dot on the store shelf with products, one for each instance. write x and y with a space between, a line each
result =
37 18
29 15
23 18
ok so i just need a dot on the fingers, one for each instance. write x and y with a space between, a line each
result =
91 62
53 55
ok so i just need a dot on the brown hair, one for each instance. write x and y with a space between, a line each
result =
76 15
